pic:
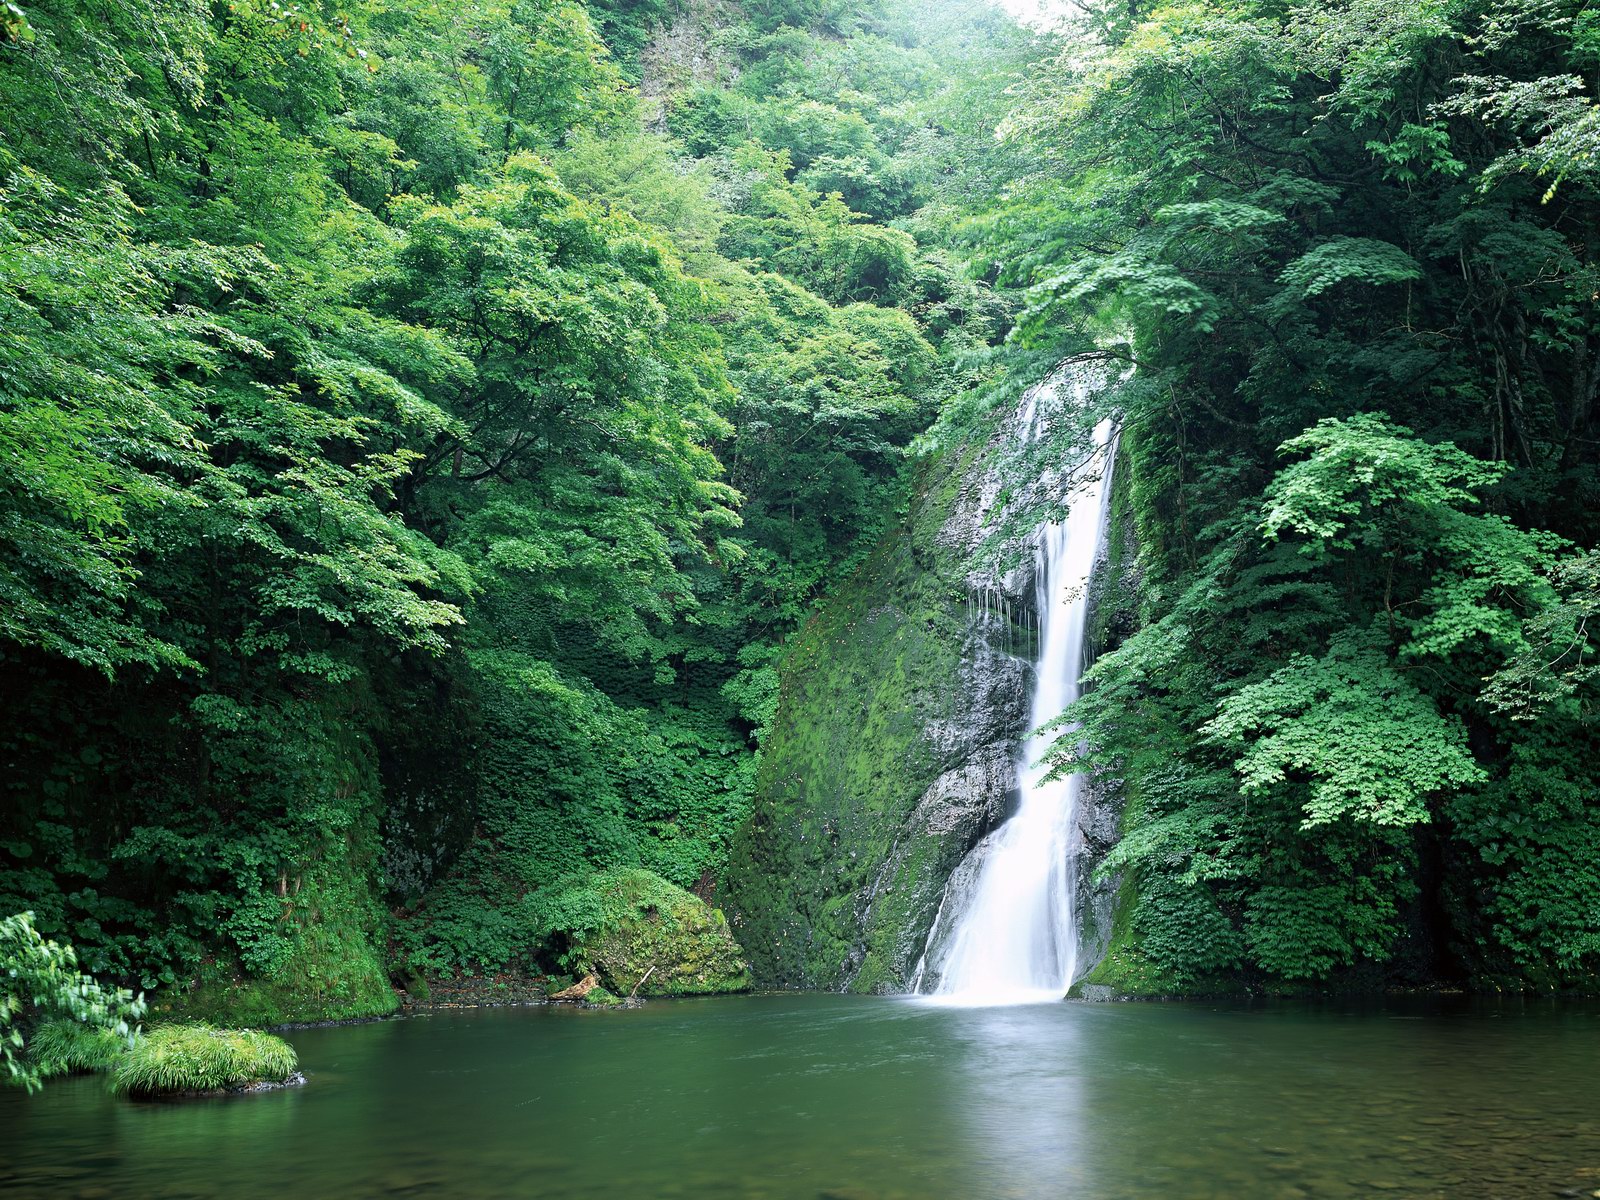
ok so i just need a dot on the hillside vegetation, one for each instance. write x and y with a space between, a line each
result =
424 429
417 443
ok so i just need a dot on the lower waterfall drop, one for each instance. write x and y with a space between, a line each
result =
1006 931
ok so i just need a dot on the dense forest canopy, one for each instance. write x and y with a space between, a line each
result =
1350 251
422 426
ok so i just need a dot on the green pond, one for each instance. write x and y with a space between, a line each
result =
809 1096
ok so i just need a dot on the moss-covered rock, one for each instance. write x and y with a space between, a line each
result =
200 1059
636 931
901 707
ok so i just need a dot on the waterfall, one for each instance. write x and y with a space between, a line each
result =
1006 931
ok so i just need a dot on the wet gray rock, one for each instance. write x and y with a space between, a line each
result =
983 739
896 748
1095 993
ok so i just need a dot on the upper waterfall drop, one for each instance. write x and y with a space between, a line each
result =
1006 931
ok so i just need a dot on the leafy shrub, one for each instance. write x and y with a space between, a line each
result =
64 1047
42 976
202 1058
470 922
1183 931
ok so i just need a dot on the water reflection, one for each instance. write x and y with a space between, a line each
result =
806 1097
1021 1089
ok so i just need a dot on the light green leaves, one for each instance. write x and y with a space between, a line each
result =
1120 287
1350 727
1554 121
1417 149
96 427
1363 473
1558 661
1225 217
1368 46
1372 487
1346 260
40 979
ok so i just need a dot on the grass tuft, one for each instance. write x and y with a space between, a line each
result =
66 1047
202 1058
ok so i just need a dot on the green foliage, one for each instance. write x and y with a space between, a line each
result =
1341 261
91 363
1555 668
1526 900
372 368
175 1059
308 956
64 1046
42 983
1368 741
416 475
622 644
470 922
1179 926
1357 471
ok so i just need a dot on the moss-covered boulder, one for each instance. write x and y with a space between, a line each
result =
200 1060
635 930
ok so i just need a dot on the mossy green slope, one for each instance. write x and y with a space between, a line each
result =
835 879
331 968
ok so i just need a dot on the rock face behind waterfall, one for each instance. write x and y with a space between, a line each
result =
903 706
1114 592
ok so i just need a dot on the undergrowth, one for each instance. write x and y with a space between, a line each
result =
67 1047
202 1058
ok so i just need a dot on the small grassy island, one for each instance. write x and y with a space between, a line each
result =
166 1061
202 1060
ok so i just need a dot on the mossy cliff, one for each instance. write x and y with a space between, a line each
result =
330 968
893 752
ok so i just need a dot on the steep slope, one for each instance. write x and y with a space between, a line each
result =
903 706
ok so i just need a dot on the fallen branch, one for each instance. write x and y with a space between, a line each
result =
640 984
578 990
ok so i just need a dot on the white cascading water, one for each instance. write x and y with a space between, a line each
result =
1008 934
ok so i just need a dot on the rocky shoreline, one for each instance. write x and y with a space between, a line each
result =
253 1088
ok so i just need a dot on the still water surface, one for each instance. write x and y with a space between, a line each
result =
810 1097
